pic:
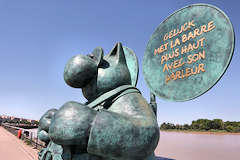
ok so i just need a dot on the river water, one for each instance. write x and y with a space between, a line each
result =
197 146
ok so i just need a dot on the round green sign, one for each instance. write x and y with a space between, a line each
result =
188 52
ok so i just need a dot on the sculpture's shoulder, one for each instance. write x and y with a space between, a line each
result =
131 102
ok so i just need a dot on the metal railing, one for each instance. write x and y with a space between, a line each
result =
27 135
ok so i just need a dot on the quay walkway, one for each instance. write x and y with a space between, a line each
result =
12 148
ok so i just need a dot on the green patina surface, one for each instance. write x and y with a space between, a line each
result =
218 45
132 63
116 122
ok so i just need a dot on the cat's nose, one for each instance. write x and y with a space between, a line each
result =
79 71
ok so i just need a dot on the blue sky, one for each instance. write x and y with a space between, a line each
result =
37 38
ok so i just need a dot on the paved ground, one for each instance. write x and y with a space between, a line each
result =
12 148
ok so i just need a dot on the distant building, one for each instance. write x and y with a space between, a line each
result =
13 119
34 121
5 117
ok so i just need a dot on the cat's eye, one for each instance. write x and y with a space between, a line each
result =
91 56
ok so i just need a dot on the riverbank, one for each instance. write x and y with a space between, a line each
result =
201 132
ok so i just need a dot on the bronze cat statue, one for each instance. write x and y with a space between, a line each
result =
116 123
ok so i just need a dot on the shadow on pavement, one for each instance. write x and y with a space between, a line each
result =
163 158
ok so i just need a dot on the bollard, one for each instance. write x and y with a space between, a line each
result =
36 146
19 133
31 138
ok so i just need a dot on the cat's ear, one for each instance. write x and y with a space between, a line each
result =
117 54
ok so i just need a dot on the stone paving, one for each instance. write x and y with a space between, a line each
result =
12 148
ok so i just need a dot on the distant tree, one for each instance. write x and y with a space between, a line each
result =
163 126
237 129
201 124
205 124
229 128
166 126
36 122
186 127
171 126
217 124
